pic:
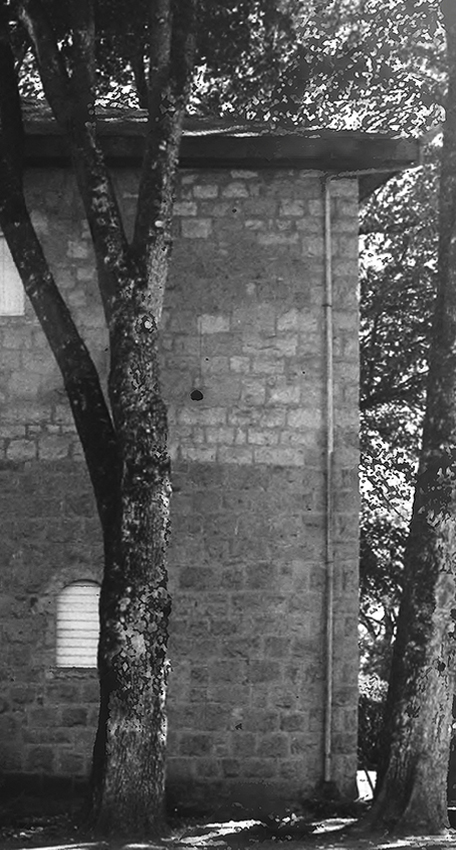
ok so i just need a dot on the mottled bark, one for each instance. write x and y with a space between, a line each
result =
127 787
412 793
129 763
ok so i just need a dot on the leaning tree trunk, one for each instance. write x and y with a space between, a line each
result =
412 785
129 757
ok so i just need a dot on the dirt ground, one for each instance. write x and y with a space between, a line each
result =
60 832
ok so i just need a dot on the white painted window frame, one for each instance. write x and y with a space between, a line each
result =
78 624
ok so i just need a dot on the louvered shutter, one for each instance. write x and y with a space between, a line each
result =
11 288
78 625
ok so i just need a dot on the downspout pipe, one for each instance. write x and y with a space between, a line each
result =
329 471
329 466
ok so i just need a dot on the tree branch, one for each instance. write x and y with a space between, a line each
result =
170 69
54 76
159 54
83 77
72 102
91 415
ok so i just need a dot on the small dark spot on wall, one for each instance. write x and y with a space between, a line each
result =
196 395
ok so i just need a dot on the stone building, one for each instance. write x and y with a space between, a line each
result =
262 318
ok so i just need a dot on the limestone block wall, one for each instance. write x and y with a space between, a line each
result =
244 324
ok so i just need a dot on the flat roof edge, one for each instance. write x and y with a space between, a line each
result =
333 153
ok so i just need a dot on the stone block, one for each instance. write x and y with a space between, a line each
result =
253 392
264 671
268 363
346 247
299 743
54 447
195 745
304 418
72 764
213 324
258 437
228 671
74 717
23 695
61 692
290 207
344 187
262 721
40 760
216 210
185 208
206 190
232 695
197 228
283 394
231 767
235 190
16 337
277 647
11 758
199 454
21 450
199 578
261 768
243 744
215 718
235 455
278 238
42 717
272 456
255 224
208 768
11 431
294 722
273 746
239 364
202 416
261 207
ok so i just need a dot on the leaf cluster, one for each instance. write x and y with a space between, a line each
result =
343 63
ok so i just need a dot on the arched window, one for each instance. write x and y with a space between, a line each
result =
78 625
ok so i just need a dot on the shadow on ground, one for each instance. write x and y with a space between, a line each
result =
51 823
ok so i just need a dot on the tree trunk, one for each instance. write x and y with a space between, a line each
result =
412 783
129 756
125 447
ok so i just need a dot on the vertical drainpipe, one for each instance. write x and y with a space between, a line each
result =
329 456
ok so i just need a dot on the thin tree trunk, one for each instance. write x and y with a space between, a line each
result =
412 785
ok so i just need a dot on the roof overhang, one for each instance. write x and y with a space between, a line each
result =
213 143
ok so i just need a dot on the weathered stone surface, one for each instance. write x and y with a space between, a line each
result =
244 323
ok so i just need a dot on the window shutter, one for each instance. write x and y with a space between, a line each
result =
11 288
78 625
